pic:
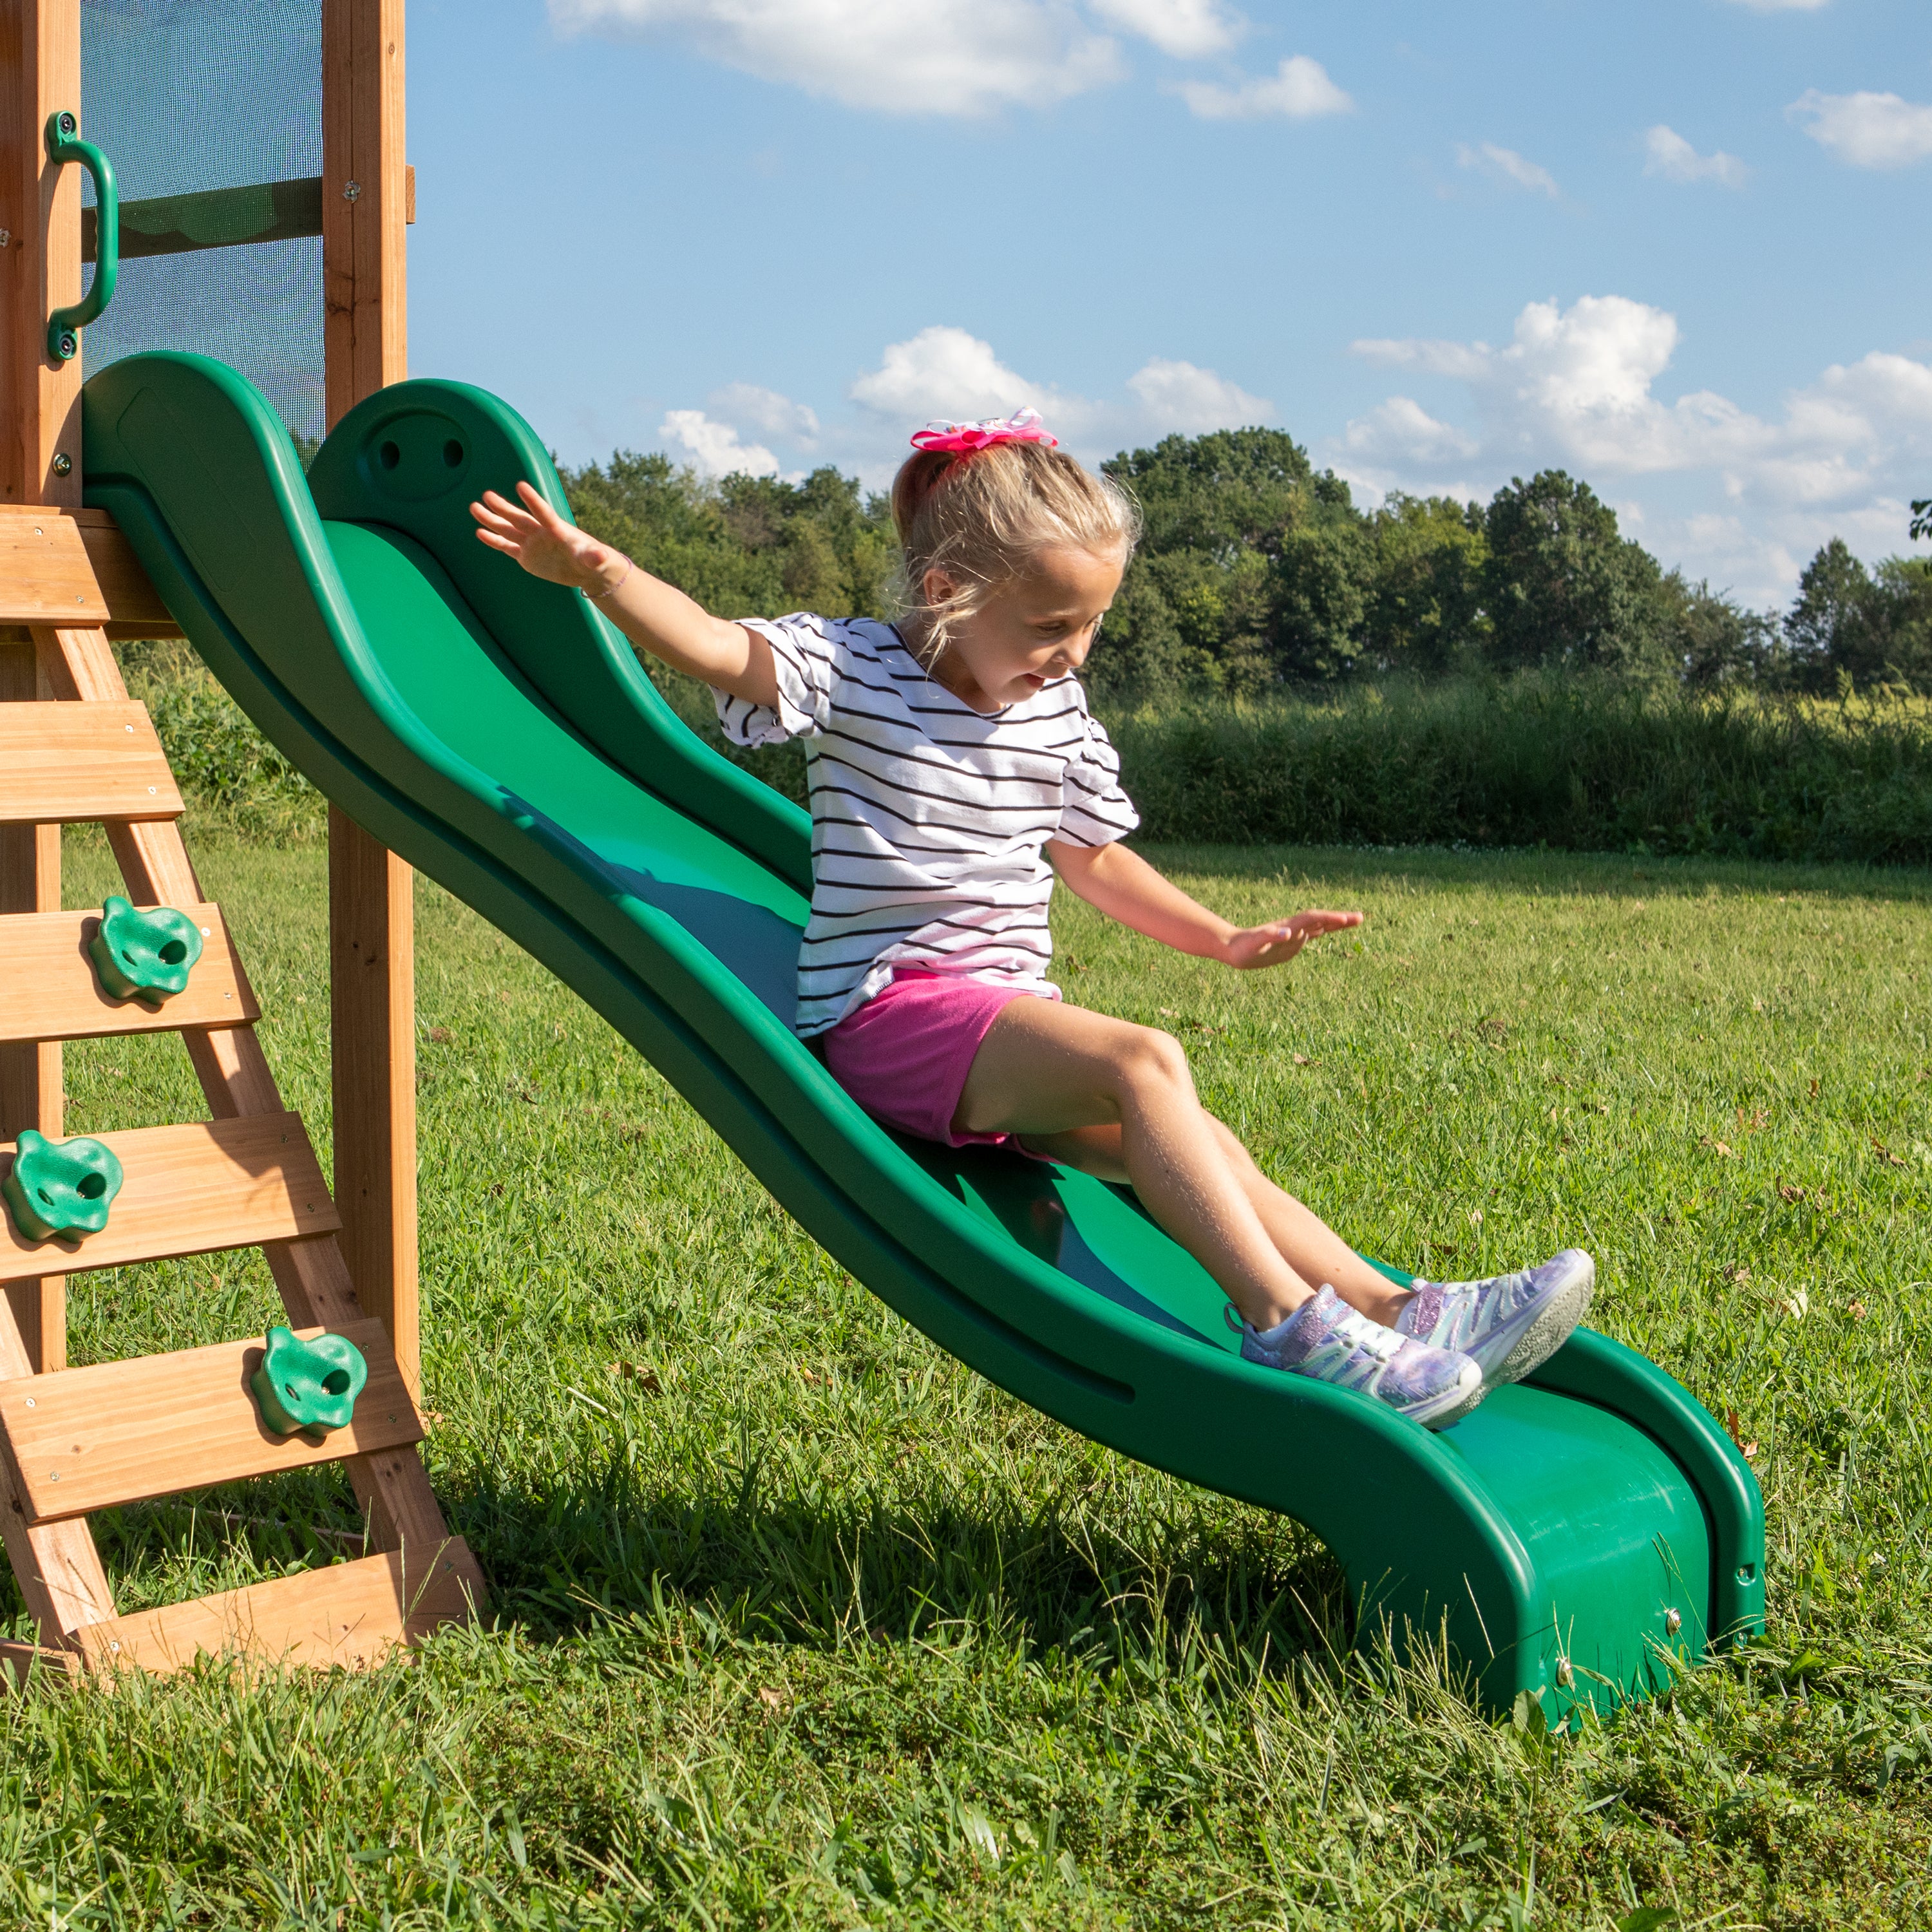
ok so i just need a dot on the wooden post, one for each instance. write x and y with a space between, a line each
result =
40 464
40 267
372 945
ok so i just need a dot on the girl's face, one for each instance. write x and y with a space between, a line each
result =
1033 628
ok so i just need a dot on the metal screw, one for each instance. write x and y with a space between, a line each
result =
31 1402
205 930
131 727
1673 1621
151 791
63 463
116 1645
1565 1676
53 1475
6 238
353 192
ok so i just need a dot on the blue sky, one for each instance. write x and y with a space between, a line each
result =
1674 246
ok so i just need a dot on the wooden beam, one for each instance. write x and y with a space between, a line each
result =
349 1616
73 569
372 1022
40 268
63 763
365 201
365 209
53 993
153 1426
30 1067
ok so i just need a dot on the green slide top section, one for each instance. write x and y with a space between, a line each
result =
495 732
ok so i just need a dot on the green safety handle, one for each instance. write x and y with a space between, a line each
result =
65 324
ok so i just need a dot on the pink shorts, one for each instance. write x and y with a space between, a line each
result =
904 1056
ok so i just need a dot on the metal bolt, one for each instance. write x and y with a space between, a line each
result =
63 463
352 192
69 126
1565 1676
1673 1621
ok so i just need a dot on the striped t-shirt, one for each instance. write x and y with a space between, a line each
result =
927 817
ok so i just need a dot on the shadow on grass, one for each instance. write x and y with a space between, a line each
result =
792 1570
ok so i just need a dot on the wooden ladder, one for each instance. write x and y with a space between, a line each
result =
72 1441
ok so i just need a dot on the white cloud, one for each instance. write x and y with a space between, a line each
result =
714 448
766 410
1299 89
1185 29
1576 388
1870 130
1176 396
945 372
1506 164
949 57
1668 154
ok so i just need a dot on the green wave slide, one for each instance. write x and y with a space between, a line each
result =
1581 1536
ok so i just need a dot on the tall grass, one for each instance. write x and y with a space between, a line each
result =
1578 764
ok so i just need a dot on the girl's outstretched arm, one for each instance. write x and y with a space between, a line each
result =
655 616
1124 887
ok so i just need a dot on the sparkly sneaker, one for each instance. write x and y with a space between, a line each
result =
1509 1324
1328 1340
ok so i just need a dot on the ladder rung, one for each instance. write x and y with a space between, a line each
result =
350 1614
189 1190
17 1660
61 763
51 992
86 1439
74 568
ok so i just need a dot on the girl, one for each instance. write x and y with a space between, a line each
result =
954 772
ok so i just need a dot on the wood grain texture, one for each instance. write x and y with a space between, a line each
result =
53 993
364 245
189 1190
64 764
153 1426
349 1616
74 567
19 1662
40 270
372 1025
30 1078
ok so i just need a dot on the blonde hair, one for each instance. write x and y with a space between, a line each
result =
982 516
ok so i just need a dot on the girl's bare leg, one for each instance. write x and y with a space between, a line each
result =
1091 1090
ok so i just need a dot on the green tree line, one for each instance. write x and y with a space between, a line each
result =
1259 573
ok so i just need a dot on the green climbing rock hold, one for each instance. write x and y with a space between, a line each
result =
308 1385
144 955
60 1187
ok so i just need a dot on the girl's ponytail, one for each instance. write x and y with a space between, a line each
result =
918 477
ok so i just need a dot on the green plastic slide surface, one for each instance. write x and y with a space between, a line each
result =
499 734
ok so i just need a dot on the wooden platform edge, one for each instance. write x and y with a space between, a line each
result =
19 1663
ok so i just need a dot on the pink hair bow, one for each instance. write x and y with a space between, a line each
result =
1022 426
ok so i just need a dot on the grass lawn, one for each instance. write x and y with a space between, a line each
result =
798 1622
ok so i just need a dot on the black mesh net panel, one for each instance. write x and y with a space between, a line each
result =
211 111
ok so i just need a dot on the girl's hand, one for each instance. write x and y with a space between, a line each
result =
545 545
1275 945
